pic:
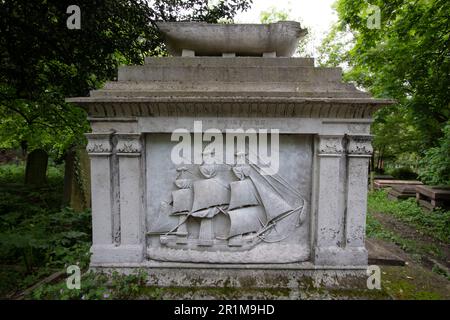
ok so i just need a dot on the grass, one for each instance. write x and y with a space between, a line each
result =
435 224
15 174
374 229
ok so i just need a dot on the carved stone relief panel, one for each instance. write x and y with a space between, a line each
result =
228 212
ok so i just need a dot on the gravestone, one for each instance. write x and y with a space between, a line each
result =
399 192
36 168
386 183
77 187
230 163
432 197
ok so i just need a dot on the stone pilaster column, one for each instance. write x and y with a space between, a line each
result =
128 151
99 149
328 220
359 151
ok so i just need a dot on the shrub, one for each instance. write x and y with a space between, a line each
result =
435 165
45 238
404 173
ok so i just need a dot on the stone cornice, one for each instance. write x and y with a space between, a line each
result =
225 99
230 106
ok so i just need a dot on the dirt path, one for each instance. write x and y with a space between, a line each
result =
430 251
422 253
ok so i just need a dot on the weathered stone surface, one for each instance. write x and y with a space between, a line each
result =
380 255
303 276
77 185
204 39
36 168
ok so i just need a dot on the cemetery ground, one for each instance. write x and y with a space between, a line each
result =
39 238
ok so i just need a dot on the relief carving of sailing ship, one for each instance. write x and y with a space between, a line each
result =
251 202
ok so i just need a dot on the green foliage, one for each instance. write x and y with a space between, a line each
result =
36 235
402 289
97 286
435 165
441 271
50 239
11 173
334 50
407 59
42 243
403 173
395 136
17 197
374 229
435 224
273 14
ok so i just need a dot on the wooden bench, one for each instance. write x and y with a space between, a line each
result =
429 197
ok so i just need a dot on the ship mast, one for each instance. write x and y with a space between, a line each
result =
211 196
182 203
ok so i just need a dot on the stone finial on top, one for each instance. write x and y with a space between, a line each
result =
205 39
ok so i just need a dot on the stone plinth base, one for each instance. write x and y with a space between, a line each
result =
104 254
302 275
339 256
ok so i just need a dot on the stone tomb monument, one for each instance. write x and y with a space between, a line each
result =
211 223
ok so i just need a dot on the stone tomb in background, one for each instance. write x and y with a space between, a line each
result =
215 224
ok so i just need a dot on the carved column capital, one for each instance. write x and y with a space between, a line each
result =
359 146
331 146
99 144
128 144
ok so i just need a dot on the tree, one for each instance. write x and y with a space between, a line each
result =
42 61
407 58
272 15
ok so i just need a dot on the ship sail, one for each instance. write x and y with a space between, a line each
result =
182 201
273 204
164 222
243 194
209 193
246 220
246 215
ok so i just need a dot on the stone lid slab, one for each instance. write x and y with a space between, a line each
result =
207 39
